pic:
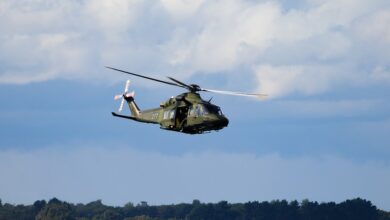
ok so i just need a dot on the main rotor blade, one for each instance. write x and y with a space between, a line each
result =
146 77
255 95
181 83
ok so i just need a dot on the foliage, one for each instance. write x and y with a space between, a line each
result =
275 210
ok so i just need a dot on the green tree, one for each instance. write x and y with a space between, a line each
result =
196 202
141 217
39 204
358 209
129 205
56 210
204 211
143 204
95 208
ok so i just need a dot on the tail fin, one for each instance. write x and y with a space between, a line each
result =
135 111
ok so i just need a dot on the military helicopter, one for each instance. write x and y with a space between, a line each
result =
187 112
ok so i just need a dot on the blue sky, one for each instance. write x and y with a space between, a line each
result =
323 134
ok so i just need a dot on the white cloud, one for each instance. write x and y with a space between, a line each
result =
380 73
376 26
325 47
111 15
221 36
181 9
46 40
322 108
284 80
119 175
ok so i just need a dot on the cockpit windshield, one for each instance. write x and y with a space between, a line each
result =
213 109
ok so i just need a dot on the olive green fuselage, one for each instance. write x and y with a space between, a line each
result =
187 113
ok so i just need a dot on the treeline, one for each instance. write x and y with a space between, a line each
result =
55 209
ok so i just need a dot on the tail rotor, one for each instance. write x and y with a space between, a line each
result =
123 95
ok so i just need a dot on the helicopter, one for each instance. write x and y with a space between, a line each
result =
187 113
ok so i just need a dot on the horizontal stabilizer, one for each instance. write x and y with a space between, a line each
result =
124 116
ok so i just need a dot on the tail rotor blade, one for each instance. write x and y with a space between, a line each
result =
118 96
127 86
121 106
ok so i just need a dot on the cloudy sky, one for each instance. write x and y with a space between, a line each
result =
323 133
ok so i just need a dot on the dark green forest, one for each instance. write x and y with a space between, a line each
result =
55 209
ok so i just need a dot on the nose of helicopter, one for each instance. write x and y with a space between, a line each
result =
215 122
224 121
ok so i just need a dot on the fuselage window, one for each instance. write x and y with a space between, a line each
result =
166 113
170 114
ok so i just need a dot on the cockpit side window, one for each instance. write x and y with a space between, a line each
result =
204 109
192 111
198 110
